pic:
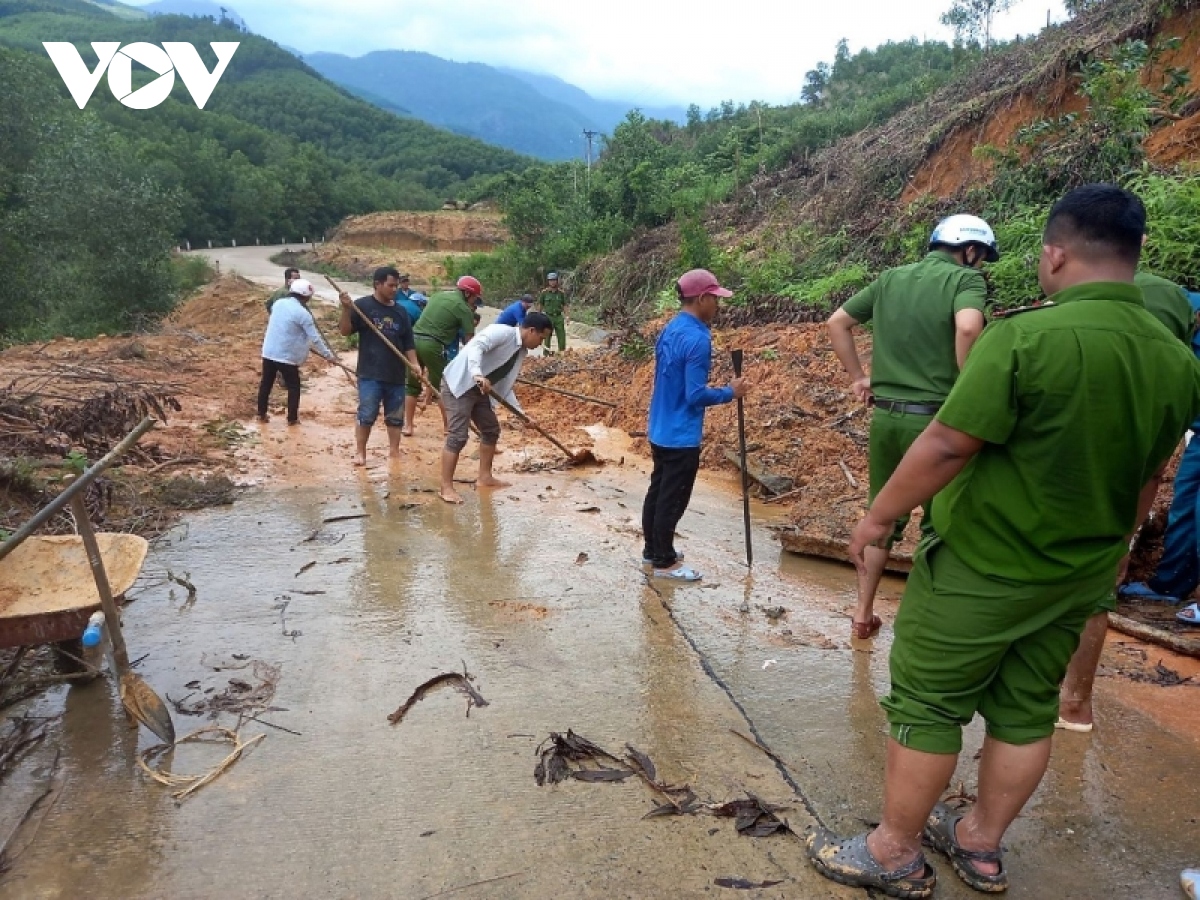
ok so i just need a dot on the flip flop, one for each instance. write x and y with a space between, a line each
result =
683 573
849 861
939 834
1141 591
1189 615
866 630
1079 727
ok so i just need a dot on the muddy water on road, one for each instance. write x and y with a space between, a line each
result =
354 807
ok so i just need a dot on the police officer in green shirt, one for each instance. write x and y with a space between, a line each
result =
553 303
290 274
1169 303
446 314
1045 455
926 317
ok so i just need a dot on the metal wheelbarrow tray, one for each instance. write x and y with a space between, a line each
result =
47 592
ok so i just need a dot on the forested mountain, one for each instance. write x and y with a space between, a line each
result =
606 114
536 114
277 151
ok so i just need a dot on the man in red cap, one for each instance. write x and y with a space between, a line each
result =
683 357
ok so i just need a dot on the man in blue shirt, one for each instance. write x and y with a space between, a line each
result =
514 313
683 357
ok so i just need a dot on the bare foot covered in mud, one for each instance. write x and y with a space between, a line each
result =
407 431
492 482
359 459
450 495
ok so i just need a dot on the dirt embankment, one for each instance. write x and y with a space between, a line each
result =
458 232
417 244
955 165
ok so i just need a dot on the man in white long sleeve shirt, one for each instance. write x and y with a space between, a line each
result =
490 363
290 332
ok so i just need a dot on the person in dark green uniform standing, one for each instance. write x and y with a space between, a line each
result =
926 316
1045 455
1169 303
553 302
446 315
290 274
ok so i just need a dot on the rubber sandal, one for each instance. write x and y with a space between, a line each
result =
1141 591
647 561
849 861
1079 727
939 834
683 573
1189 615
866 630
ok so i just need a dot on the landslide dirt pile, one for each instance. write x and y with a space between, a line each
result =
460 232
66 402
802 425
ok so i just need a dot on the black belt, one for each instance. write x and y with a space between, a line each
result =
912 409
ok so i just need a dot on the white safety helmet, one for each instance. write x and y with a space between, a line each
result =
301 288
961 230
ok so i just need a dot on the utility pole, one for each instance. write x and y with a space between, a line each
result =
589 135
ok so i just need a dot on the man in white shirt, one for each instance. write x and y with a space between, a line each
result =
490 363
290 332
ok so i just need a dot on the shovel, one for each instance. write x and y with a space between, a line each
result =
578 458
137 697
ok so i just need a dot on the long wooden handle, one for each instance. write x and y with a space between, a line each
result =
112 619
741 410
532 424
571 394
404 359
56 505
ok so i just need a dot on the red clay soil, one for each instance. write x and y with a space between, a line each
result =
955 166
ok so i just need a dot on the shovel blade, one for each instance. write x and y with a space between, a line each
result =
147 707
583 458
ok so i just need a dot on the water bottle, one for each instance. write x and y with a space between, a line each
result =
91 634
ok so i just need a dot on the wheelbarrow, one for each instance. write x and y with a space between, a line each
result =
47 593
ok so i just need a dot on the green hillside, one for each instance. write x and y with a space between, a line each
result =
270 113
278 151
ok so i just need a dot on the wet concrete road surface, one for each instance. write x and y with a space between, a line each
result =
446 805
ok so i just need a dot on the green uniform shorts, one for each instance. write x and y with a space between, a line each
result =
966 643
892 433
432 357
560 332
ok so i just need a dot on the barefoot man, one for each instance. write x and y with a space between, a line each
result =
490 363
381 374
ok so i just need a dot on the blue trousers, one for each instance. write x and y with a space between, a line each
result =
1178 571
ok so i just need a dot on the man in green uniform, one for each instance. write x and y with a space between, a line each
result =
290 274
927 315
553 303
1046 454
446 314
1169 303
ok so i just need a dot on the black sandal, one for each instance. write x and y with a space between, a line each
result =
850 862
939 834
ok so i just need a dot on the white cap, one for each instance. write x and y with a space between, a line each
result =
301 288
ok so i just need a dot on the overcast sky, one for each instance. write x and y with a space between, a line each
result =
647 51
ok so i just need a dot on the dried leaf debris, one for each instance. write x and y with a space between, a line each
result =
461 682
572 756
